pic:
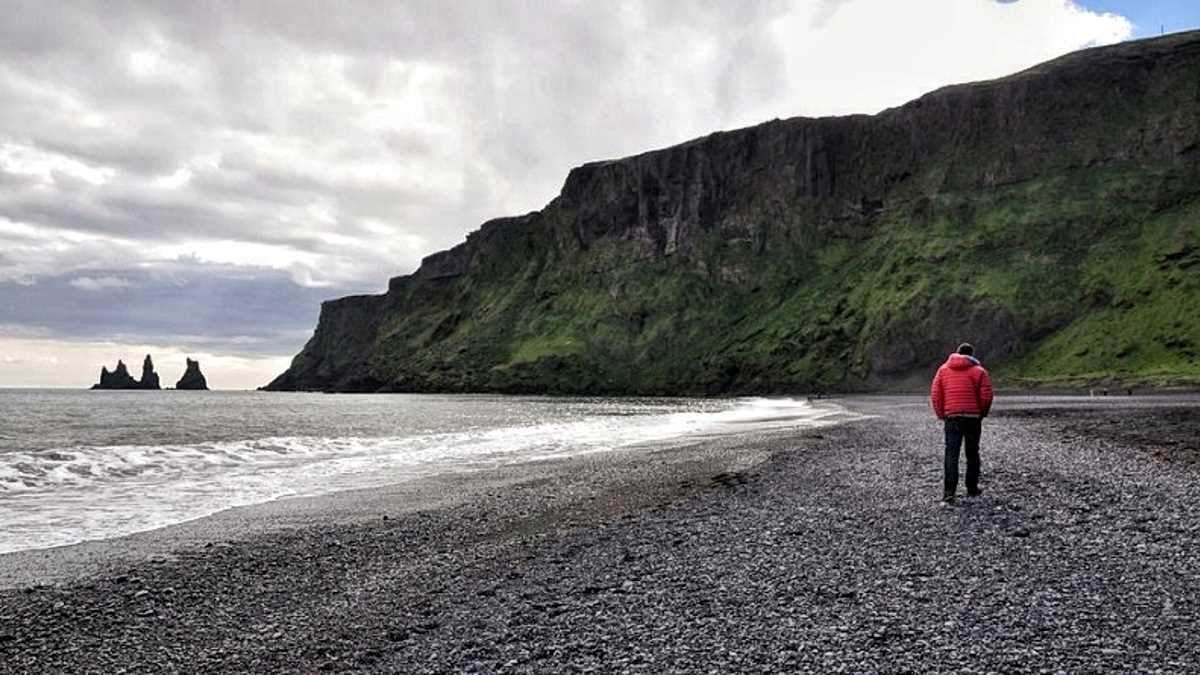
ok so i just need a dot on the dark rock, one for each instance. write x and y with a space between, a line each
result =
116 379
192 378
149 377
121 379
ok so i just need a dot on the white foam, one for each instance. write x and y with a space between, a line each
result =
67 495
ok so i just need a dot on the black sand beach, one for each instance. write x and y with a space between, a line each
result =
817 551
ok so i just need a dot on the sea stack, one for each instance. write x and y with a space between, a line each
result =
121 379
117 379
192 377
149 377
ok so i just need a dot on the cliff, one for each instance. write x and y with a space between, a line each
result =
1050 217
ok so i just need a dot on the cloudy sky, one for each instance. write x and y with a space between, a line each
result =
193 178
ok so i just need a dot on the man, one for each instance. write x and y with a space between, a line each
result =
961 395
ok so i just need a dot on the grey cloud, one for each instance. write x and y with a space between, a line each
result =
406 144
234 91
130 153
827 8
247 179
754 73
236 310
160 216
34 29
124 215
10 180
67 182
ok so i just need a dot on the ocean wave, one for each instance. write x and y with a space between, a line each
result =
64 495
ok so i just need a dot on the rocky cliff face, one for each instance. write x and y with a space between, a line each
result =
1039 216
192 378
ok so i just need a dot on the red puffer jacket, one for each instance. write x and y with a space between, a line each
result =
961 387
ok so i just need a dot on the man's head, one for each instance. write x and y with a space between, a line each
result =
966 349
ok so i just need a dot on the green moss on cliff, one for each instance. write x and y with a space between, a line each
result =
1088 262
1140 289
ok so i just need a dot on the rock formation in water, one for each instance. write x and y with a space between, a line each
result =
192 377
116 379
1051 217
121 379
149 377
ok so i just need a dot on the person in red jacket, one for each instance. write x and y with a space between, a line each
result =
961 395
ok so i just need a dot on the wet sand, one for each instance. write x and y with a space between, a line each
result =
779 551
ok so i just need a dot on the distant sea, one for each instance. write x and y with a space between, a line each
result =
82 465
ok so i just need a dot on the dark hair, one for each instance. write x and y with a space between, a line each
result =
966 349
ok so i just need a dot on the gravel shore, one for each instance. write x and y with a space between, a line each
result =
812 551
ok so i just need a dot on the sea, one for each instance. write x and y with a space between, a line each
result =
85 465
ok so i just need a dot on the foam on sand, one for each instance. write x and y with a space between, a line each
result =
66 495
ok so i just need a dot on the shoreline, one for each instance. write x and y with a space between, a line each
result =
77 562
816 550
63 562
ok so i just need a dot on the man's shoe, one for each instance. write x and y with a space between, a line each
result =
974 493
948 497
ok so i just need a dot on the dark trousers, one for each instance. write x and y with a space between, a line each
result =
957 429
